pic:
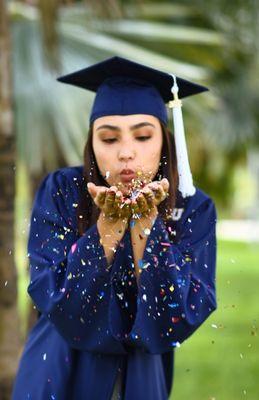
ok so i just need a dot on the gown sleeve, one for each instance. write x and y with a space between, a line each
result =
177 290
70 278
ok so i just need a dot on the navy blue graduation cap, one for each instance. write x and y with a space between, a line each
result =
126 87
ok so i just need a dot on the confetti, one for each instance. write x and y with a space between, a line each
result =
173 305
134 335
143 265
171 288
162 292
101 295
132 223
73 247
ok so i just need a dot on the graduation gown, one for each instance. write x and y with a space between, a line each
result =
93 319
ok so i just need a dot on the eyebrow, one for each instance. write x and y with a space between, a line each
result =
117 129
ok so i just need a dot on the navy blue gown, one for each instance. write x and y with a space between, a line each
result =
93 320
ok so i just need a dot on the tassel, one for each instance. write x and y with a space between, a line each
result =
186 186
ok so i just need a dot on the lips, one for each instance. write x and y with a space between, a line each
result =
127 172
127 175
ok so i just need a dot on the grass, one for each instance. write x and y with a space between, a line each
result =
222 363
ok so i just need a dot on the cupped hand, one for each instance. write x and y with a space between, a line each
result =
149 197
141 203
110 201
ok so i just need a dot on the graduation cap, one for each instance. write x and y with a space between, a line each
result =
125 87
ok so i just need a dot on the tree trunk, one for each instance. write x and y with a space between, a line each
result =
32 311
10 342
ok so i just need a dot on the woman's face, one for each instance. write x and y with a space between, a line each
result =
127 142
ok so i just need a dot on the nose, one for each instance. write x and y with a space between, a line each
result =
125 158
126 153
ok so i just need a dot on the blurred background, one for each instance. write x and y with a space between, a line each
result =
44 124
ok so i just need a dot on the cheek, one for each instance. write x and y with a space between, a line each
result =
104 160
152 154
151 158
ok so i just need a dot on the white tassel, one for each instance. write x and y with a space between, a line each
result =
186 186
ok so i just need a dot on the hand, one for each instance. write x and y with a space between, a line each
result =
142 201
111 202
147 199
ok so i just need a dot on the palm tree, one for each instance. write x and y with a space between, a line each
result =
9 338
236 127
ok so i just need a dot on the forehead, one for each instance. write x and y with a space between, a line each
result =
125 120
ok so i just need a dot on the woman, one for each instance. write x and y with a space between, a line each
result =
122 265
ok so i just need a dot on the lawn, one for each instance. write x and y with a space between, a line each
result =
220 361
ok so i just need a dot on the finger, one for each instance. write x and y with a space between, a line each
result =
134 207
159 192
150 197
126 209
109 200
165 183
100 198
118 203
159 195
92 189
142 203
152 184
118 199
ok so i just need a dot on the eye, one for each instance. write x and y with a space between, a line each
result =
109 140
140 138
143 138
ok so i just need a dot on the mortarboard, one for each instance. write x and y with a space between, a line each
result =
126 87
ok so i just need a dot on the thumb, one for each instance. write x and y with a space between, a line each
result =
165 184
92 189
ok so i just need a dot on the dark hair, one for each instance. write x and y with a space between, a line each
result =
88 212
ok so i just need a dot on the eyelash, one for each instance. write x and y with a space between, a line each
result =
140 137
